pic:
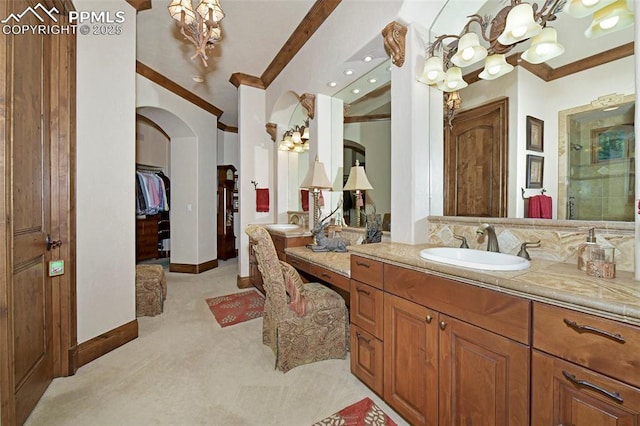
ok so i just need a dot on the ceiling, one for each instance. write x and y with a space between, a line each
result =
255 31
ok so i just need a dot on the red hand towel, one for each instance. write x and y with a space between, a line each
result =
262 200
545 206
304 195
534 207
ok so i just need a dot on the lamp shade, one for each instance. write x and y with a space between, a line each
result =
176 7
433 71
495 66
609 19
520 25
210 9
544 46
357 180
453 80
316 177
469 51
582 8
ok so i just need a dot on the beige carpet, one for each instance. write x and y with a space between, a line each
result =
184 369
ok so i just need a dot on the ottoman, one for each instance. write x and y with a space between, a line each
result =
151 290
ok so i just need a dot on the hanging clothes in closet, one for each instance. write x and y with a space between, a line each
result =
152 197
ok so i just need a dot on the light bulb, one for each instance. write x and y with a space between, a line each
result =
452 84
432 74
494 70
542 49
589 3
609 22
467 53
519 31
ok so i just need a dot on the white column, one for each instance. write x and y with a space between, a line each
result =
410 146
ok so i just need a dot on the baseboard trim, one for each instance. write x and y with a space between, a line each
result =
187 268
243 282
106 342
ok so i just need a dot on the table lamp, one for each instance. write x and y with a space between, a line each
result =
357 182
315 181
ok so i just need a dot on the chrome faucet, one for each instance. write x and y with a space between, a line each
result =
492 240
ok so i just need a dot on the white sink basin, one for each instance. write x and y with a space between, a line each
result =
475 259
282 226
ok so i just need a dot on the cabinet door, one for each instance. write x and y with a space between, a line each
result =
484 377
366 358
564 393
366 308
411 360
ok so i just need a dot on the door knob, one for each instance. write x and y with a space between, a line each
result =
52 244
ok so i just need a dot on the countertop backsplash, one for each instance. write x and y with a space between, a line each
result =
559 240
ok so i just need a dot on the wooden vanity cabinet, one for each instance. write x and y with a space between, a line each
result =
586 369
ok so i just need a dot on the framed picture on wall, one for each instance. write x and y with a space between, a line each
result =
535 167
611 143
535 134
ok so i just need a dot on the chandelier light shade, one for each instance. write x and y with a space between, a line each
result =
198 25
295 139
544 46
611 18
469 51
433 71
495 66
452 81
582 8
520 25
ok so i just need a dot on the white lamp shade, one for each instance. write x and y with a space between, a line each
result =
176 7
469 51
495 66
453 80
544 46
316 177
582 8
520 25
609 19
433 71
357 180
210 9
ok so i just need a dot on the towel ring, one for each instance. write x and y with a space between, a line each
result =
542 191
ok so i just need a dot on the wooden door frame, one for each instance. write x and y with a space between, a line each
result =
60 60
502 106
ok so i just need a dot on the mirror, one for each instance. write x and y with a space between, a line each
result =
367 138
530 95
297 163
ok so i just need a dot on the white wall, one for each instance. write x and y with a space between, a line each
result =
152 147
193 132
105 191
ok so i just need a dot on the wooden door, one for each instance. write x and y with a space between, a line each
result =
475 162
411 360
563 393
484 377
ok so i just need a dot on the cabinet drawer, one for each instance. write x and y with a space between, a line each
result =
278 241
366 359
366 308
367 271
600 344
301 265
331 277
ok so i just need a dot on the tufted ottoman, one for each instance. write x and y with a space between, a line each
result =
151 290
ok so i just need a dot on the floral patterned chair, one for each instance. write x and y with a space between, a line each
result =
302 323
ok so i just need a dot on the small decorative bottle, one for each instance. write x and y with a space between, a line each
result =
585 249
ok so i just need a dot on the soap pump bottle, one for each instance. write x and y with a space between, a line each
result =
585 249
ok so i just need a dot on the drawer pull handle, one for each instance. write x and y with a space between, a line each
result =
361 290
581 328
443 325
429 318
361 337
613 395
364 265
324 275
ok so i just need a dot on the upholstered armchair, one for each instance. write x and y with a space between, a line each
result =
302 323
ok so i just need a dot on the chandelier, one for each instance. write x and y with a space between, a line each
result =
295 139
198 25
512 25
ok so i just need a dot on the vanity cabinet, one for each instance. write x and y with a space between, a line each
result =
586 369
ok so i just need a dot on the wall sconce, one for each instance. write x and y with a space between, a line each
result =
315 181
295 139
357 182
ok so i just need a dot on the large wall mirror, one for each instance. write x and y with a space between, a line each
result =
567 107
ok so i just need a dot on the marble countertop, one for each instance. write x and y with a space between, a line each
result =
340 263
560 284
290 233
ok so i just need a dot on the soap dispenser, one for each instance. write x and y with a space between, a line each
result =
585 250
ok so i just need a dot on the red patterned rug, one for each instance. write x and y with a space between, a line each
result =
362 413
238 307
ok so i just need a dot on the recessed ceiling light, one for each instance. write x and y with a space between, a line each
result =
389 68
611 108
367 58
197 79
348 72
355 91
332 84
373 80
